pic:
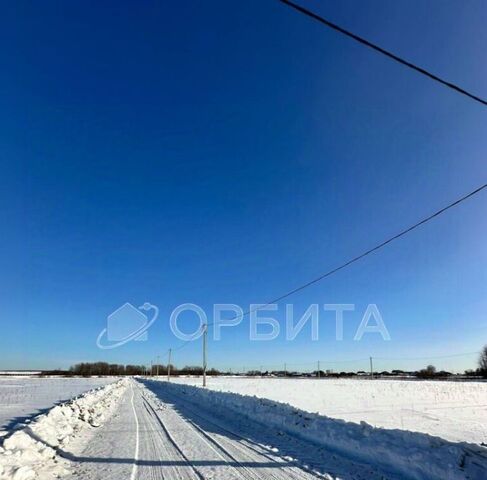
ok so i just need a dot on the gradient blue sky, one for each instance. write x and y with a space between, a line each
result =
214 152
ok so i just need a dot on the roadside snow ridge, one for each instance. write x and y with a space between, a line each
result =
31 452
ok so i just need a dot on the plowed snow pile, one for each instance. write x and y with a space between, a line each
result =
413 455
32 452
455 411
22 398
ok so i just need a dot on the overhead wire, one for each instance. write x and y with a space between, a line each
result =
383 51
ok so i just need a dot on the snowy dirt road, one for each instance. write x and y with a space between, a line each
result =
156 434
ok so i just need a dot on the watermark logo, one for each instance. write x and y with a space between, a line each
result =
129 323
264 324
125 324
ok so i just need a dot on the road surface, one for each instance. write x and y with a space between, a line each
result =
154 435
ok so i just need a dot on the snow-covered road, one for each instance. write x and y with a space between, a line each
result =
158 435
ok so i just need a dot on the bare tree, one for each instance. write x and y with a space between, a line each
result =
483 362
428 372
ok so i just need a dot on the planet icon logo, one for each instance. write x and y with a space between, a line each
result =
125 324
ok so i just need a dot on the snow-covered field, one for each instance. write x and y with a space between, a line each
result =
456 411
144 429
23 397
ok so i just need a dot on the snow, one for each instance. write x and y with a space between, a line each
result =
455 411
31 452
157 433
412 455
23 397
139 428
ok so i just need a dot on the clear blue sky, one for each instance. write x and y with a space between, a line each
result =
228 151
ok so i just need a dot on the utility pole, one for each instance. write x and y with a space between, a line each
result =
319 370
205 333
371 368
157 367
169 366
151 368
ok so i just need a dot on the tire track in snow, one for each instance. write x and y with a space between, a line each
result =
227 455
232 447
244 443
151 410
245 447
137 437
214 446
161 457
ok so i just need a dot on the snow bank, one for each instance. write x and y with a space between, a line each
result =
22 398
31 452
414 455
454 411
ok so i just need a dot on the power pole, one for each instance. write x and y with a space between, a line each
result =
169 367
371 368
205 333
151 368
319 370
157 367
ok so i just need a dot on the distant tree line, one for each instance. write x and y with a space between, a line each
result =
87 369
110 369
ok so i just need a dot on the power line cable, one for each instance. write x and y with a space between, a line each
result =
383 51
408 64
349 262
454 355
364 254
